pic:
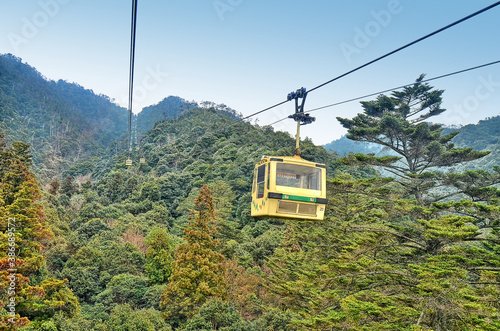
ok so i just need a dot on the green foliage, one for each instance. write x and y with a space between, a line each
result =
124 318
217 315
385 258
420 148
63 122
170 107
24 231
379 262
159 256
82 270
124 288
198 270
54 297
275 320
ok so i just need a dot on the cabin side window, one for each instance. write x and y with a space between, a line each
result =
254 186
268 175
261 178
296 176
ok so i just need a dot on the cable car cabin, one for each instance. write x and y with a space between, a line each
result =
142 160
289 187
128 162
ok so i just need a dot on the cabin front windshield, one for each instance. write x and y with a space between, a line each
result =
298 176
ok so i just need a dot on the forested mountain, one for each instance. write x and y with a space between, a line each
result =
483 136
170 244
64 123
170 107
115 235
343 146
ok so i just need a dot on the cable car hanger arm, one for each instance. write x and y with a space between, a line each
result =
299 116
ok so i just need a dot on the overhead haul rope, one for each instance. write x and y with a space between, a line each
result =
251 127
385 55
394 89
373 61
131 74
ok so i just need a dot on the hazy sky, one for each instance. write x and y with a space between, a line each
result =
249 54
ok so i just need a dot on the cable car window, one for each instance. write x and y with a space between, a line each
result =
261 177
268 175
298 176
254 186
261 173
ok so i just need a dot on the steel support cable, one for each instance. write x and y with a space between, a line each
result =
263 110
362 97
131 72
394 89
409 44
246 117
386 55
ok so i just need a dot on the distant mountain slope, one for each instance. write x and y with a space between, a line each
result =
344 146
483 136
170 107
67 125
62 122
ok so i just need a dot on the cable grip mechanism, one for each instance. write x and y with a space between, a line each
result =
299 116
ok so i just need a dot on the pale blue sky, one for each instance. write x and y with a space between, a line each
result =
250 54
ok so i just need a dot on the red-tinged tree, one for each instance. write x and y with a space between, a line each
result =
245 289
22 232
198 270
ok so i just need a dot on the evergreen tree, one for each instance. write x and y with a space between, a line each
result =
390 255
418 149
23 232
68 186
359 269
198 270
158 256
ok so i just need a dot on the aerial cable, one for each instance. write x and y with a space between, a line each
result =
385 55
394 89
371 62
369 95
131 73
408 45
263 110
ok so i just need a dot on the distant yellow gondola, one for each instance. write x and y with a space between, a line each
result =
128 162
142 160
289 188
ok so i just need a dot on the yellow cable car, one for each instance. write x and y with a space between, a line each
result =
142 160
128 162
290 188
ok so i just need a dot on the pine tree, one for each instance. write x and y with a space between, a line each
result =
378 262
418 149
198 270
454 243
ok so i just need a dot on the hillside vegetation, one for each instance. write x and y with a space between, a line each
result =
170 244
483 136
64 123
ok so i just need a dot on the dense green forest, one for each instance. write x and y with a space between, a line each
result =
170 244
